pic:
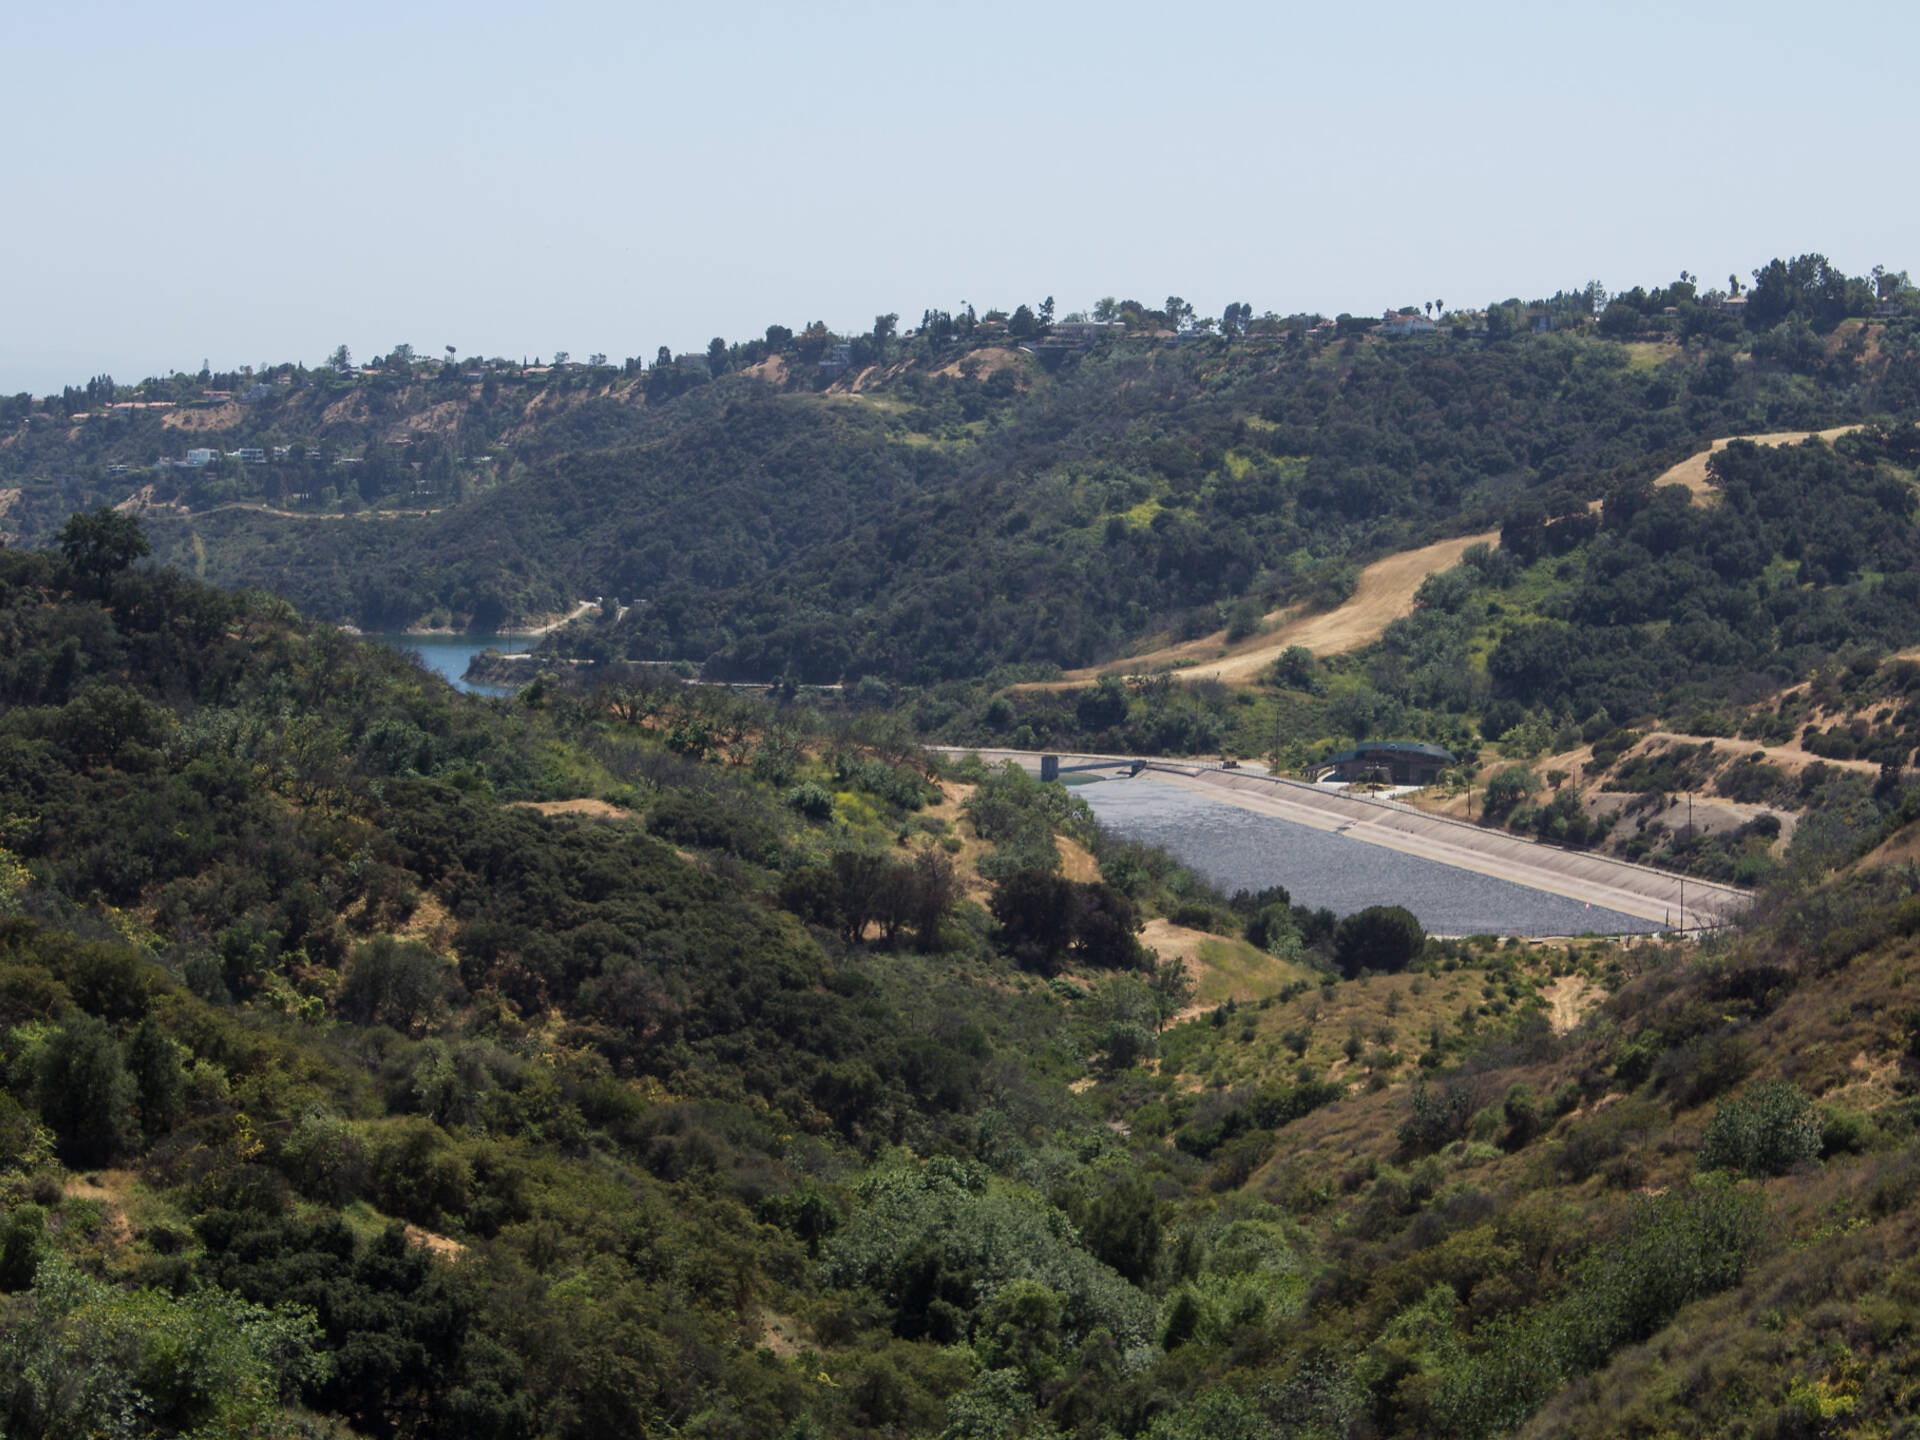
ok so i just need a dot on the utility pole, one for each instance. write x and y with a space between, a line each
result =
1683 875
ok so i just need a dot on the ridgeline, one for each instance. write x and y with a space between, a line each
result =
644 1056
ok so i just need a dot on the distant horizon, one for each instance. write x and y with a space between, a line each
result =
435 354
611 179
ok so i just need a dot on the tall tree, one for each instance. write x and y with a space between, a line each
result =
99 542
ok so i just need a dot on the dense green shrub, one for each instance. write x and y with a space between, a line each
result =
1675 1248
938 1243
1436 1117
1768 1130
706 822
1381 938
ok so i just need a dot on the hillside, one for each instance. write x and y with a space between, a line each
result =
968 495
1385 591
1692 471
635 1057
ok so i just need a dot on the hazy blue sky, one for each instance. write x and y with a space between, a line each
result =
259 183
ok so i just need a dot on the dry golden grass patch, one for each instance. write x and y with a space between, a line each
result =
1388 1019
985 362
440 1246
966 860
1076 861
202 418
599 809
114 1191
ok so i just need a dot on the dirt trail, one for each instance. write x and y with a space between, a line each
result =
1385 594
1792 756
1568 999
1692 472
582 607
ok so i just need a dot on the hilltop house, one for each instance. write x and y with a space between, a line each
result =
1412 323
1081 333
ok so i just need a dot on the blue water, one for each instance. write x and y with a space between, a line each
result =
449 655
1242 850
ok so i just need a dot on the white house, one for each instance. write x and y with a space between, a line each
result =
1415 324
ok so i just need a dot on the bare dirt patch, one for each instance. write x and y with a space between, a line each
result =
429 923
773 370
350 407
440 419
782 1334
1792 757
207 417
438 1245
111 1189
1692 472
1569 999
138 503
1385 594
987 361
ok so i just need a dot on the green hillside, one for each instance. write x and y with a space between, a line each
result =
971 494
354 1082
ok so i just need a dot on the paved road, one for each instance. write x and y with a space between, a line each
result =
1635 889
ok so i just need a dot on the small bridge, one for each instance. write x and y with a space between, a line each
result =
1052 769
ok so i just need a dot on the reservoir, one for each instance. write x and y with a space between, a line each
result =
1239 849
449 655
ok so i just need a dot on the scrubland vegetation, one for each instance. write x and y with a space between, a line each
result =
637 1056
795 1088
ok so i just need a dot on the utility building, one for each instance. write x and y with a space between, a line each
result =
1398 762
